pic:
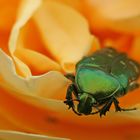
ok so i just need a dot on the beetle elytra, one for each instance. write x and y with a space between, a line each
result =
100 80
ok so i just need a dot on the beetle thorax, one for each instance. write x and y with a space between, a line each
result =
96 82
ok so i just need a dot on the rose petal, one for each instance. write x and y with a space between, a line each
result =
34 85
34 119
116 15
135 50
7 14
30 50
76 4
37 62
67 39
5 124
122 43
15 135
117 9
26 11
64 123
131 114
71 37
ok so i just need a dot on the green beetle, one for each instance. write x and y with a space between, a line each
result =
99 80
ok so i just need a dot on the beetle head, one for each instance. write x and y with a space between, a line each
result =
85 104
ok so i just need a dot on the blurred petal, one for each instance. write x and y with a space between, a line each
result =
56 121
15 135
121 43
76 4
95 46
8 14
116 15
118 9
5 124
67 39
135 50
4 36
131 114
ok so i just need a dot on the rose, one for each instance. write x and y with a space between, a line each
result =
43 45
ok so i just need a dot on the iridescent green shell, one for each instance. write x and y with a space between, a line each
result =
97 83
104 71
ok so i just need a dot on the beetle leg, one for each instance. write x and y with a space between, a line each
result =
70 77
92 113
69 100
73 108
96 107
106 107
133 85
116 104
118 108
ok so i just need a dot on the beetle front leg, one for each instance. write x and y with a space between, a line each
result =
69 99
106 107
118 108
70 77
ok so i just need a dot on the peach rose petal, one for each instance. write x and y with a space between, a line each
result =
67 39
15 135
37 62
34 119
34 85
135 50
131 114
7 14
117 15
122 43
32 53
27 9
76 4
118 9
5 124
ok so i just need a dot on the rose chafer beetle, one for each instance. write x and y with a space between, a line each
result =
99 80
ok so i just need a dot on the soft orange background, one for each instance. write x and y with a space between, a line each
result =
33 112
